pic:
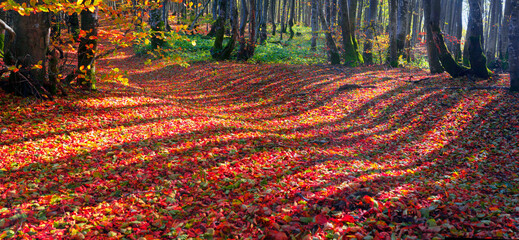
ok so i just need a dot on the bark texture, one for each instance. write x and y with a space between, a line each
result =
87 49
333 53
432 53
371 17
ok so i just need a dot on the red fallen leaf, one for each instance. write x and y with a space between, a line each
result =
346 218
275 235
321 219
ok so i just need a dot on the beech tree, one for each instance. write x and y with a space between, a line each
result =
315 25
352 57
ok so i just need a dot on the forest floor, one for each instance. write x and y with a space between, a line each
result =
237 150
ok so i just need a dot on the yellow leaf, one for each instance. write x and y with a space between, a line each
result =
146 41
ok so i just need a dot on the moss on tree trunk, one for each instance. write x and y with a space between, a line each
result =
478 60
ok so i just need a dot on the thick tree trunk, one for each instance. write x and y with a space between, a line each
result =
333 53
371 17
513 48
432 53
87 49
283 19
315 24
449 64
29 48
352 57
478 60
393 49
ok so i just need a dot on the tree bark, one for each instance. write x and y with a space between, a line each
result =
371 17
247 48
29 48
87 49
315 24
158 27
393 49
495 16
401 26
478 60
503 35
435 66
333 53
513 48
273 16
292 18
263 21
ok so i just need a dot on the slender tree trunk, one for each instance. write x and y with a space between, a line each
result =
457 29
432 53
495 17
283 19
503 35
315 7
416 17
292 18
478 60
87 49
263 21
333 13
371 17
333 53
401 26
393 48
513 48
247 48
158 27
273 16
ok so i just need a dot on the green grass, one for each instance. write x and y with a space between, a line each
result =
196 48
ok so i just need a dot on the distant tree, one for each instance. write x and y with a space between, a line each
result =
157 25
218 51
247 47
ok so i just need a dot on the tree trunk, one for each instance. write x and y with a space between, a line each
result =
503 35
495 17
416 17
432 53
371 17
333 53
87 49
457 29
315 24
333 13
478 61
30 48
273 16
247 48
263 21
283 19
401 26
393 49
513 48
292 18
158 27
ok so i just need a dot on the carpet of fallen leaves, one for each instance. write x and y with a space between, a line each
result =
232 150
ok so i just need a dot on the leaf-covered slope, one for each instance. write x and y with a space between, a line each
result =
250 151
